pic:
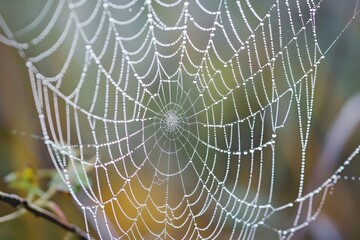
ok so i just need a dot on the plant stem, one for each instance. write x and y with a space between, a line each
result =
12 216
16 201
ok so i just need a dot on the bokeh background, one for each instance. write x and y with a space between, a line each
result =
338 82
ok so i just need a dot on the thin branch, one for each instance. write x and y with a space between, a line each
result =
341 130
16 201
12 216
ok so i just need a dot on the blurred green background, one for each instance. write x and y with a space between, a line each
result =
338 81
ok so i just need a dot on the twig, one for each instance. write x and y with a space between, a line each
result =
341 130
16 201
12 216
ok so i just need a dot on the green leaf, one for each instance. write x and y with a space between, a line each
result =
25 180
76 175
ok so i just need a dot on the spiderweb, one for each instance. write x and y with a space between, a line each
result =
177 108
